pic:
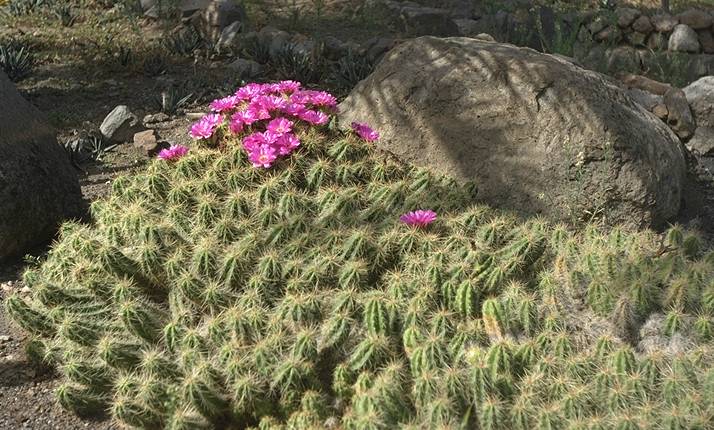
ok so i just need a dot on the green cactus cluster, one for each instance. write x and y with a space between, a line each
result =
211 294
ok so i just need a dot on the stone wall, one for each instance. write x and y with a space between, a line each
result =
622 40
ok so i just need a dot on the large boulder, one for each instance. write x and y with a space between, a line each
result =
38 185
538 134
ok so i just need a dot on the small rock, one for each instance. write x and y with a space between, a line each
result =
642 25
485 37
706 40
229 35
377 47
25 290
696 19
679 118
5 338
220 14
189 7
661 111
610 34
156 117
700 95
703 141
276 39
153 12
636 38
657 41
147 4
645 99
469 27
626 16
246 69
597 25
645 84
145 141
334 48
120 125
683 39
419 21
664 23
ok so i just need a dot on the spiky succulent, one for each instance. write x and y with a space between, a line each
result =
16 60
209 293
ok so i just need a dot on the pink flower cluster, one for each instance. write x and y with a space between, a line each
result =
267 117
419 218
174 152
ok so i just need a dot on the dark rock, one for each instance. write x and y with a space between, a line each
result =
657 41
696 19
706 40
609 34
420 21
626 16
664 23
643 25
38 185
246 69
679 117
636 38
220 14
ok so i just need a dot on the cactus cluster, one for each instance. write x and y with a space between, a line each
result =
211 294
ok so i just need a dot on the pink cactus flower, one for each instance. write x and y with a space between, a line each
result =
250 91
174 152
301 97
314 117
224 104
322 98
280 126
263 156
246 117
255 140
287 143
236 126
419 218
294 109
289 87
365 132
204 128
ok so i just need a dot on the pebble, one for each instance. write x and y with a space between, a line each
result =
5 338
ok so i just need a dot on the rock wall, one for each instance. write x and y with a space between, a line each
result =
622 40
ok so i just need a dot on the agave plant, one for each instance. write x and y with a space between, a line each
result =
300 63
16 60
351 69
24 7
184 42
172 99
65 15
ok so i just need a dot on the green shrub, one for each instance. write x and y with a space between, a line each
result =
210 294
